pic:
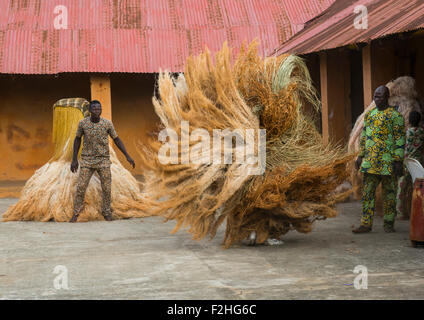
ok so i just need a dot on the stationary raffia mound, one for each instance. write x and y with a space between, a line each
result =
49 193
402 95
301 172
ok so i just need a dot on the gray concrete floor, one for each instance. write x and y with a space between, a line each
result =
140 259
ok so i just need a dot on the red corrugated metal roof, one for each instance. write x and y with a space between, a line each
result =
335 27
139 36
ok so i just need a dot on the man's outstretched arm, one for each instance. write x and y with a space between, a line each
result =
118 142
77 145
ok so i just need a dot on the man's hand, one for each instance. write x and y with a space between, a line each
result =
398 168
131 161
74 166
358 163
77 145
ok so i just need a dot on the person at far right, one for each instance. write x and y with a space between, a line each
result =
414 149
381 159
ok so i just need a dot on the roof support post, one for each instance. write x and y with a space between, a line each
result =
335 96
367 74
100 90
324 96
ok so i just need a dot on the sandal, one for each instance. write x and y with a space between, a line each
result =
362 229
74 217
388 228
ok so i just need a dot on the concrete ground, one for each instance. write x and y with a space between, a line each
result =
140 259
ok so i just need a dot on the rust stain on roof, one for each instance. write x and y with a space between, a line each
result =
335 27
139 35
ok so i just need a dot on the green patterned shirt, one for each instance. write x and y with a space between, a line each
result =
382 141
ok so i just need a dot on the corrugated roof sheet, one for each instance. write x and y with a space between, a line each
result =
335 27
139 36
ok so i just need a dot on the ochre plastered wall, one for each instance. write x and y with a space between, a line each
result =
132 113
26 119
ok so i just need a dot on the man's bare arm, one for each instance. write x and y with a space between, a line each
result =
77 145
118 142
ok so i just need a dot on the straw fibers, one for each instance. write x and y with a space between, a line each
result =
48 195
301 173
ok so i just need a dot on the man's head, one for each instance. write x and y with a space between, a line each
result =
381 96
95 108
414 118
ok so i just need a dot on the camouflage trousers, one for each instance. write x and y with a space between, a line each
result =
82 184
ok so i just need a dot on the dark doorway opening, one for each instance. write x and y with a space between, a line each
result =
356 85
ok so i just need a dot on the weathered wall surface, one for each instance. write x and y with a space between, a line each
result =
26 119
416 46
395 58
132 112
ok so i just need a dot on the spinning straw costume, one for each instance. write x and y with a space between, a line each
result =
253 93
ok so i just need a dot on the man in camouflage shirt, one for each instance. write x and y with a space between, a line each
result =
95 157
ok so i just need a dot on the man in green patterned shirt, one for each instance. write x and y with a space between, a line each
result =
380 159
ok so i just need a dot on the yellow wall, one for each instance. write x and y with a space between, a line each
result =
26 119
132 112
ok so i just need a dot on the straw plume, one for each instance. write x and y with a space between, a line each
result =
252 93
